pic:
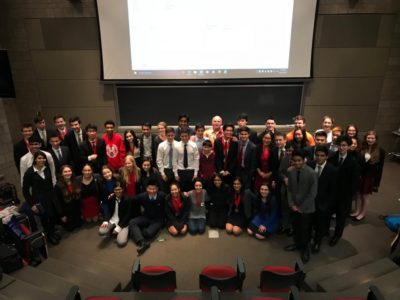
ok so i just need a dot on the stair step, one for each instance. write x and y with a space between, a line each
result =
91 265
21 290
6 280
395 295
387 283
337 268
49 282
357 276
98 281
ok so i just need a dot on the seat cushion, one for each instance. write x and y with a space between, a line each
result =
156 269
219 272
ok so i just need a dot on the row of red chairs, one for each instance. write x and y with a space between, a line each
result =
227 279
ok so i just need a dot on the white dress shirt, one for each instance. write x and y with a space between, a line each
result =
193 158
163 155
27 161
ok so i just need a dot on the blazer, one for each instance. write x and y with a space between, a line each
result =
19 150
347 177
325 199
71 142
153 210
123 210
85 149
303 193
274 163
250 164
310 150
373 170
37 190
231 159
153 148
66 158
248 200
45 146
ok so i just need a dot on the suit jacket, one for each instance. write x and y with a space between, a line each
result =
231 159
248 200
153 148
66 158
347 176
303 193
325 199
153 210
250 164
72 144
177 220
19 150
85 149
45 144
123 210
310 150
274 163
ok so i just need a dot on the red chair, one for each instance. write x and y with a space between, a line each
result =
293 295
75 294
225 278
279 279
153 278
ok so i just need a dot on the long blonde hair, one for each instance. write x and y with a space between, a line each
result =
373 150
126 174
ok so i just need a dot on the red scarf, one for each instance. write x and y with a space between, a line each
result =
69 187
237 200
177 204
265 153
198 197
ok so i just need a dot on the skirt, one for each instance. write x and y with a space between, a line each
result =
90 207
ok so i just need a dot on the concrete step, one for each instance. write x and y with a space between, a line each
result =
49 282
21 290
357 276
388 283
94 266
101 282
337 268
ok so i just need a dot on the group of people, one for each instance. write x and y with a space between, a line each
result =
227 176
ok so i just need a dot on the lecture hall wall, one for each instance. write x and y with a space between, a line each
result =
54 50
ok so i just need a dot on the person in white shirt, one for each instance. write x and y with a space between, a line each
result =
27 159
165 157
186 162
117 221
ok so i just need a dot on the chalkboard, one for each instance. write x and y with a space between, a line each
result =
139 104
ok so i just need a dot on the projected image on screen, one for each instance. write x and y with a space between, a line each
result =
185 35
206 39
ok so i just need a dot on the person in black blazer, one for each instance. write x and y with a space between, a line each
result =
42 132
118 224
325 199
72 140
60 154
40 195
320 138
241 122
22 147
147 145
144 228
93 149
177 209
347 184
226 152
247 163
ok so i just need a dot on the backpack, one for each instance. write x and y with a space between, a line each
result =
8 194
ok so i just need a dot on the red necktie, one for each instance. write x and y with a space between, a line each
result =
94 147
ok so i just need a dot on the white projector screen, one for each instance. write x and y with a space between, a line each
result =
206 39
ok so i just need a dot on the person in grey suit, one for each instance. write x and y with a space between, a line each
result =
302 190
247 162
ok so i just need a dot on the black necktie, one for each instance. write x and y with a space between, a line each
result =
340 160
298 176
185 156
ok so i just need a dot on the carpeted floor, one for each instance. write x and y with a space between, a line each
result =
189 254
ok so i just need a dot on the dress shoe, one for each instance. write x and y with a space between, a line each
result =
143 247
305 255
316 247
334 240
291 247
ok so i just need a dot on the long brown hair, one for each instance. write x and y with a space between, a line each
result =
63 185
125 174
372 150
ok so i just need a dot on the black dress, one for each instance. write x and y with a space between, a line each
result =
69 205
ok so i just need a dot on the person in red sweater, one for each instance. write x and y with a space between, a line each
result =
207 167
115 147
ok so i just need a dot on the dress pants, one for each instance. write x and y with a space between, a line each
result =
142 228
343 209
186 180
321 222
302 229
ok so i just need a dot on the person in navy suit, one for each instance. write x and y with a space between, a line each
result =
93 149
73 139
144 228
247 163
325 199
61 155
347 184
